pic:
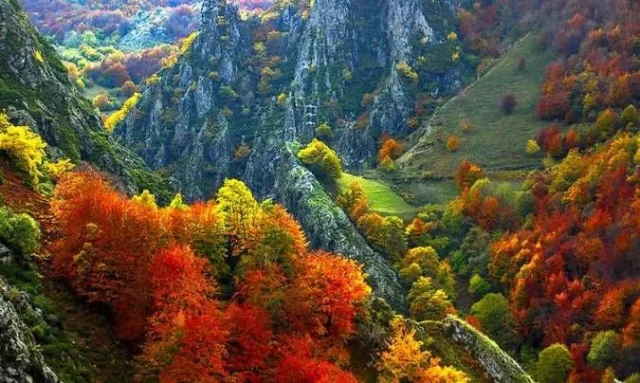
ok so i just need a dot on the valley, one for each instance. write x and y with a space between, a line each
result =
319 191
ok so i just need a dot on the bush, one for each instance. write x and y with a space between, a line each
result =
321 159
495 317
405 69
508 103
19 231
324 131
128 88
101 102
453 143
58 168
532 148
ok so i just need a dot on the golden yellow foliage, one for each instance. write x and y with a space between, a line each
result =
58 168
116 118
453 143
25 146
405 360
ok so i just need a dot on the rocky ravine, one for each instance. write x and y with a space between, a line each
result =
190 123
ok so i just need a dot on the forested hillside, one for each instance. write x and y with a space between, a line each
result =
320 191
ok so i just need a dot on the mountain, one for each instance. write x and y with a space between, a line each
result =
247 83
35 91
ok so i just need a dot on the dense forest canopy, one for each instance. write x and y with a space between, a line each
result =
320 191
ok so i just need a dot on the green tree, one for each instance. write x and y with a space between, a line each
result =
431 306
629 116
478 286
492 311
324 131
146 199
19 231
554 364
321 159
604 348
176 202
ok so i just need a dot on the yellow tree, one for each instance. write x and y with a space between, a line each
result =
405 360
25 146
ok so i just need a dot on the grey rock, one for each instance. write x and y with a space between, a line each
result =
497 363
20 359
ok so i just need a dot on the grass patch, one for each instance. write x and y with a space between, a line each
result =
495 140
382 199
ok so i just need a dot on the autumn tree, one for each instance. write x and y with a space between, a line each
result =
321 159
405 360
328 294
354 201
23 145
467 174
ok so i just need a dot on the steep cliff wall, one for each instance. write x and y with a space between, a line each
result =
35 91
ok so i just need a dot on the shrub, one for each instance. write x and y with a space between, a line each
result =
128 88
186 44
453 143
243 151
324 131
406 70
321 159
19 231
282 99
101 102
508 103
492 311
532 148
465 126
58 168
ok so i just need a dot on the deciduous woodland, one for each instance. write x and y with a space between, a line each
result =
326 191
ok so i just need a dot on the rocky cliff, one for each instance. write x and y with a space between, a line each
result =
263 84
20 359
35 91
496 362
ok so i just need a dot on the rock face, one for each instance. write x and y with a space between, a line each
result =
20 359
35 91
497 363
266 84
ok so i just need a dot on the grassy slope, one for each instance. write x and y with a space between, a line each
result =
382 198
496 141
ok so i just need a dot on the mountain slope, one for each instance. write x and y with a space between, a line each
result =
35 91
495 140
221 95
